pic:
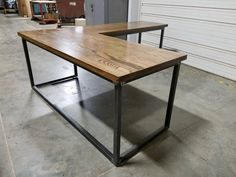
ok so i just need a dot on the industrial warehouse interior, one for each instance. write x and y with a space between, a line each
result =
125 88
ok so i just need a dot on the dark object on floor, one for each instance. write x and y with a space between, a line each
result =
9 6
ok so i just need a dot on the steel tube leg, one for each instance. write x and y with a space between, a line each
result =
139 38
117 124
75 70
28 62
172 95
161 38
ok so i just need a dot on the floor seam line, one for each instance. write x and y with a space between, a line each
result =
100 175
7 147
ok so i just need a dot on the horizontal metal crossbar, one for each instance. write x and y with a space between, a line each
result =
57 81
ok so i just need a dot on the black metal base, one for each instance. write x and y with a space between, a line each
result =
115 157
161 38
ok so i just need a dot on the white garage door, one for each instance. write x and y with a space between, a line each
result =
204 29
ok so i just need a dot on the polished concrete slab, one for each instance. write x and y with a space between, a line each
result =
200 142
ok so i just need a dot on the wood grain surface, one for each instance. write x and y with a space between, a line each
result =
93 49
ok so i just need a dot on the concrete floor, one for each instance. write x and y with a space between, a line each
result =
37 142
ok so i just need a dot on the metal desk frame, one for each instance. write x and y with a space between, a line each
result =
115 157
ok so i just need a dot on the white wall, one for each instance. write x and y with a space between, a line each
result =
134 15
204 29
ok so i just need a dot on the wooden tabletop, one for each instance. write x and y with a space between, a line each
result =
93 49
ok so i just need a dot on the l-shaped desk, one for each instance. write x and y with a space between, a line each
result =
96 49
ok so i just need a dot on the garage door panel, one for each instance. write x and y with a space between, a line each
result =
205 33
225 70
204 29
204 14
217 55
221 4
